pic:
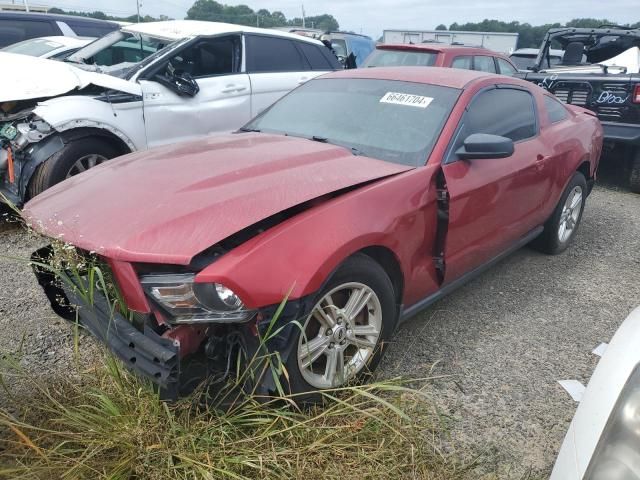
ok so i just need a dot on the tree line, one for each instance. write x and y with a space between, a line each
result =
213 11
529 36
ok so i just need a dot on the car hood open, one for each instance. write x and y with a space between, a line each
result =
169 204
25 77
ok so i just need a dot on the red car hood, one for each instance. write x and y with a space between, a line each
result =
167 205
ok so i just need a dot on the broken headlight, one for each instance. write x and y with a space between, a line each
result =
186 301
617 456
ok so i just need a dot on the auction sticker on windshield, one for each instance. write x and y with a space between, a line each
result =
406 99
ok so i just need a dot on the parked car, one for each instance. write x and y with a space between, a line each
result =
142 86
524 58
423 179
604 436
18 26
56 48
440 55
350 48
584 79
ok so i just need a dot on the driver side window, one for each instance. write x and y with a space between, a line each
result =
507 112
209 57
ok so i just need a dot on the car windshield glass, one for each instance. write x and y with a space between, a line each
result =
339 46
118 51
389 120
405 58
35 47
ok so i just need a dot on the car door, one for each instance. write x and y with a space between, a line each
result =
494 202
275 66
223 102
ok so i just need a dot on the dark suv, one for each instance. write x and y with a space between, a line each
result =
18 26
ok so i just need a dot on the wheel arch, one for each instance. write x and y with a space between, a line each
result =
53 144
388 260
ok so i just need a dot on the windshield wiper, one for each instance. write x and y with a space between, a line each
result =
255 130
317 138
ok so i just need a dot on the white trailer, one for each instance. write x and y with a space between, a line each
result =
496 41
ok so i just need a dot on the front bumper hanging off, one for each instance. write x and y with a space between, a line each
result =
142 350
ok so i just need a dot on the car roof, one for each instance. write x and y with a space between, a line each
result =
446 77
437 48
179 29
53 17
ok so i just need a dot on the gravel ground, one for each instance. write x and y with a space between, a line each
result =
503 340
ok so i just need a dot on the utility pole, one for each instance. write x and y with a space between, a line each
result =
303 20
137 8
26 5
257 20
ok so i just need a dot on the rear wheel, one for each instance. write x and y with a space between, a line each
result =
342 340
76 157
561 228
634 175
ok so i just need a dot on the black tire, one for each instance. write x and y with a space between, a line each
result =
634 174
359 269
549 240
56 168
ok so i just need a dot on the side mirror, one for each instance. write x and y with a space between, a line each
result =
181 83
483 145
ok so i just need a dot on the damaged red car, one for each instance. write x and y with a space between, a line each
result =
363 195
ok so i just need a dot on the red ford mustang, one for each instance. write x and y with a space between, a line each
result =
366 194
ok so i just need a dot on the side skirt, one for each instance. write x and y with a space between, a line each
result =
418 307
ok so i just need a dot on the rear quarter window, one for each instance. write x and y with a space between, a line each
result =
272 54
556 111
315 57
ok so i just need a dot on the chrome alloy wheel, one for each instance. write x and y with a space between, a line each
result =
340 335
85 163
570 214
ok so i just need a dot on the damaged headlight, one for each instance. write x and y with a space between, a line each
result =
188 302
617 456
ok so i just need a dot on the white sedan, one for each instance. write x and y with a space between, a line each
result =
603 441
56 48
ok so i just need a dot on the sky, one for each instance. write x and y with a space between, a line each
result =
371 17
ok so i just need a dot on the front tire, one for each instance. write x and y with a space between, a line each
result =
75 157
342 341
562 227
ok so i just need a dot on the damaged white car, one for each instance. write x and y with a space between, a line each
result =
142 86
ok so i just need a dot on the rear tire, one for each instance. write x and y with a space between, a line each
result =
634 174
563 224
75 157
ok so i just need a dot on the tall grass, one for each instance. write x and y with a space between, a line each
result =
107 423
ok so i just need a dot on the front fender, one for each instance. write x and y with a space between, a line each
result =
123 119
298 256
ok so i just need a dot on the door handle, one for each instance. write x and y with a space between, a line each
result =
233 88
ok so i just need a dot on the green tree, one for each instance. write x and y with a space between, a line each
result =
205 10
441 27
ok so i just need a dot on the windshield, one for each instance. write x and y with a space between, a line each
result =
395 58
118 51
389 120
36 47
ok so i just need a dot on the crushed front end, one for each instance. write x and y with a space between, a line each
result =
163 326
21 132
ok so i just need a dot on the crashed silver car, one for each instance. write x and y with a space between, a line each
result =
142 86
